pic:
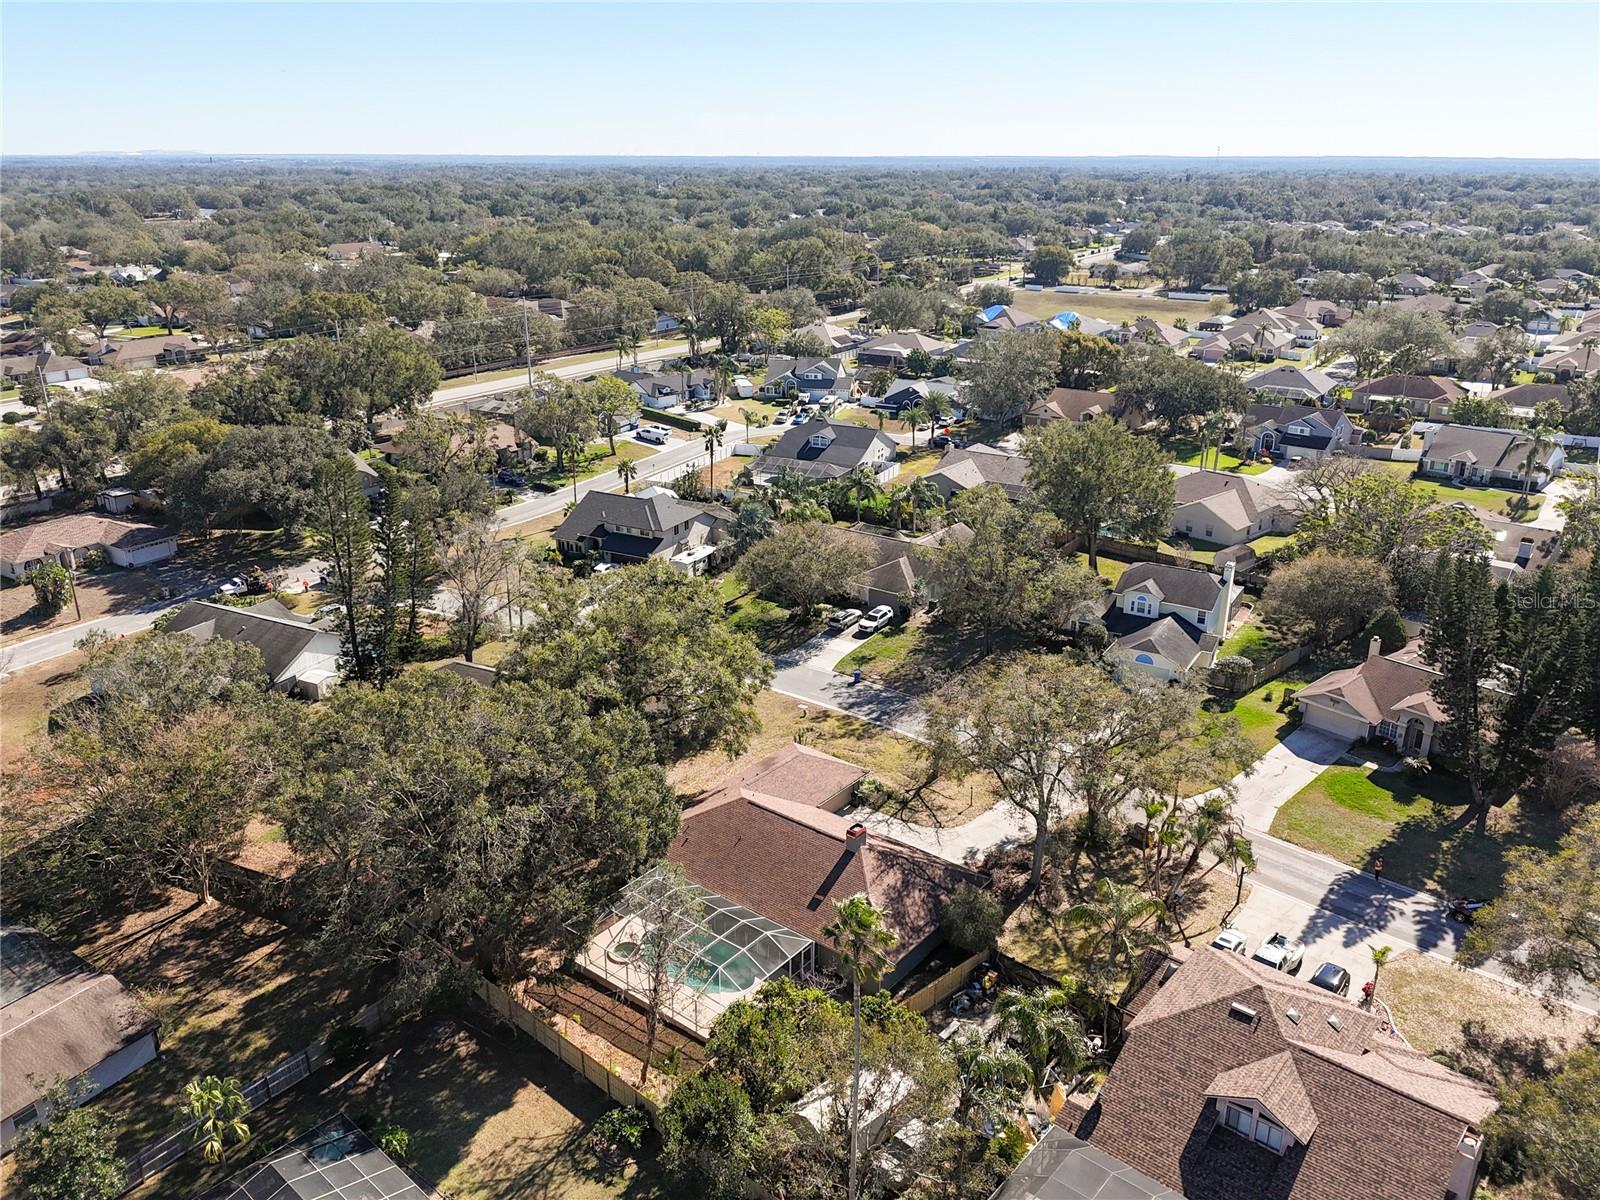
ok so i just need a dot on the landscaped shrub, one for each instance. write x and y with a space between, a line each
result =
1388 628
973 918
393 1140
1417 768
1093 637
618 1133
1235 672
52 588
347 1045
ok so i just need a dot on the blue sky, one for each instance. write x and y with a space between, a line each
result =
1517 80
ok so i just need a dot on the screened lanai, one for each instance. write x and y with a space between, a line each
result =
728 950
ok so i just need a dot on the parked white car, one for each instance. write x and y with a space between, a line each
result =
1231 940
844 618
654 434
875 620
1280 953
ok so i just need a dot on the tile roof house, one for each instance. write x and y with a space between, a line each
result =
1425 395
1293 383
59 1017
655 523
67 539
1080 404
1236 1081
1168 620
1295 430
1224 509
299 655
1472 454
1386 697
976 465
822 449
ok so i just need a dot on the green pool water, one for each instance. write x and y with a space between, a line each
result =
738 972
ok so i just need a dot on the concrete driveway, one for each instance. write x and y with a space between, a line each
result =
806 673
1282 771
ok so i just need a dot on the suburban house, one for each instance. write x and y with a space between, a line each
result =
1542 324
655 523
1387 697
1237 1081
768 854
1498 457
1211 348
67 539
892 349
350 251
976 465
1080 404
822 449
909 393
831 336
367 476
899 573
146 353
1062 1166
1440 306
52 368
1423 395
1572 361
1002 318
335 1161
809 378
1295 430
1409 283
1525 397
1148 329
1224 509
1293 383
668 389
1169 620
61 1018
511 446
300 656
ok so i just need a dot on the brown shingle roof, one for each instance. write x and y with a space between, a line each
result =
1383 688
1412 387
790 861
75 533
1373 1118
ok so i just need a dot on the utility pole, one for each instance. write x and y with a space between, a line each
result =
527 346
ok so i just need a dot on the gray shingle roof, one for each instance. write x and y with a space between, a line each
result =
847 449
281 640
1187 586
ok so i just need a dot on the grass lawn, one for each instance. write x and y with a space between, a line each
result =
535 532
142 331
26 698
733 412
1187 453
921 655
1493 500
882 651
1115 307
1110 568
1256 642
725 470
1257 711
1269 542
1423 831
597 460
918 462
773 627
1432 1000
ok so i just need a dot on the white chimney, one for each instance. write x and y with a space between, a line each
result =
1227 572
1375 646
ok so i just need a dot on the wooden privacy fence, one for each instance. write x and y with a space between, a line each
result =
934 993
541 1028
157 1155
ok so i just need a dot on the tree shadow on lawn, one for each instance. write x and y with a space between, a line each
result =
942 652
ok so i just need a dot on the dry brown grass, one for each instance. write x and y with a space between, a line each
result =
26 699
1432 999
891 757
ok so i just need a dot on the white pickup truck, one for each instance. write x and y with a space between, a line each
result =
1280 953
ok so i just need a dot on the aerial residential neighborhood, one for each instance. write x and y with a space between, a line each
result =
967 626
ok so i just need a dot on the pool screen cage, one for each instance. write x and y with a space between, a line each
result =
728 950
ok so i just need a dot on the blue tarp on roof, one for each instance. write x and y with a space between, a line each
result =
1065 319
993 311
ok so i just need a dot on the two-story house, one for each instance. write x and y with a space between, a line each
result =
807 378
1295 431
823 449
1168 620
1224 509
653 524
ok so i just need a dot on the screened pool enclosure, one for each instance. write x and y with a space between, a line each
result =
726 952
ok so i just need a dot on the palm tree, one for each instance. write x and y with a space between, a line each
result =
712 440
1388 411
217 1107
901 505
1541 442
914 416
572 445
863 485
1380 955
1044 1025
924 495
722 376
747 415
627 471
992 1078
690 328
626 343
1120 924
862 940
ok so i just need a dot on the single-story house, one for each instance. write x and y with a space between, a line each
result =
976 465
1571 361
53 367
833 337
61 1018
367 475
1295 430
142 354
768 855
334 1161
299 654
806 377
1515 547
822 449
668 389
1237 1081
1224 509
1440 306
1542 324
892 349
1388 696
350 251
1002 318
1211 348
1300 384
1409 283
1424 395
1148 329
1530 395
1168 620
909 393
1081 404
67 539
1498 457
655 523
900 572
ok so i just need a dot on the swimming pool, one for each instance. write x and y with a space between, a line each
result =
719 967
